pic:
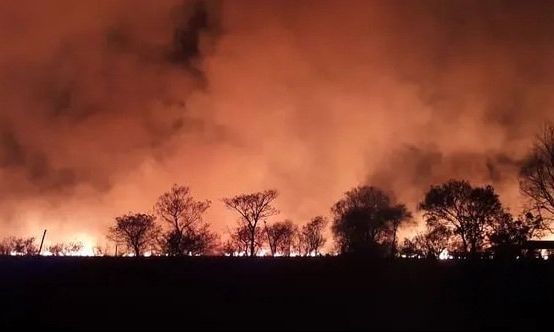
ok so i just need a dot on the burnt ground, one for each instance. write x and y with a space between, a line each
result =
273 294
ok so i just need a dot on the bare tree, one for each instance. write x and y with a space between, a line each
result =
252 209
73 247
429 244
286 244
399 215
97 250
56 249
312 234
65 249
467 212
240 240
229 248
7 246
23 246
436 240
279 237
300 243
536 177
137 231
189 235
412 247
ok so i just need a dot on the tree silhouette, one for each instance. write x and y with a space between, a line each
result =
413 247
279 237
19 246
536 177
509 233
252 209
285 246
229 248
193 242
399 215
65 249
137 231
300 243
56 249
73 247
429 244
6 246
312 233
239 242
365 220
97 250
189 235
467 212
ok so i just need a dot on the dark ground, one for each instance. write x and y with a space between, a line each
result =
264 293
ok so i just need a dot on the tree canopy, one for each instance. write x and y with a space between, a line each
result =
365 220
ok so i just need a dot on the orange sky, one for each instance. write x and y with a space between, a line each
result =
105 104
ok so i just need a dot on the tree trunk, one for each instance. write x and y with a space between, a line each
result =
473 250
252 241
179 237
464 243
271 243
393 246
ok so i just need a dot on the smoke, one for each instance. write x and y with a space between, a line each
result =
409 171
103 104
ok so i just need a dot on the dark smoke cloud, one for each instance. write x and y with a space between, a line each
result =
87 98
410 170
97 88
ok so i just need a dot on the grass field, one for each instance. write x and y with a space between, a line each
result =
272 293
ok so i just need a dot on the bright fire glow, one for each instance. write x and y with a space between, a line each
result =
444 255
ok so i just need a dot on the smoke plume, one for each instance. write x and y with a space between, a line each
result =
105 104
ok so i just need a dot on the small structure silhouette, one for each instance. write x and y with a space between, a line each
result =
538 245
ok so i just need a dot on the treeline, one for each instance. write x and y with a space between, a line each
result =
464 220
27 247
177 228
